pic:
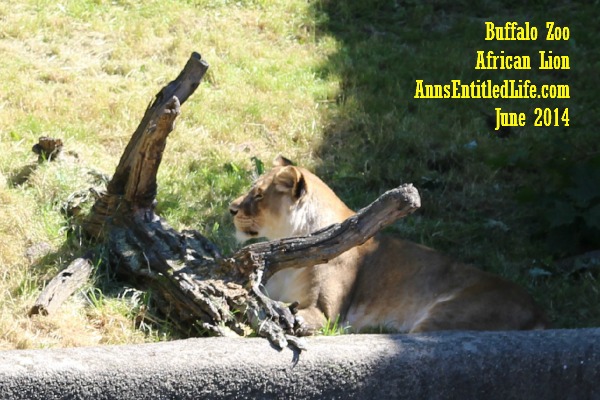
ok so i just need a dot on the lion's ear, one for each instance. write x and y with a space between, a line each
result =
290 180
281 161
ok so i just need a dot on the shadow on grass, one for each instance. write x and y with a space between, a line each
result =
511 203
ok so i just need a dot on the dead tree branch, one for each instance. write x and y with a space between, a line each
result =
62 286
193 285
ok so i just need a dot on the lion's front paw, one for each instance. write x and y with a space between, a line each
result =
308 321
301 328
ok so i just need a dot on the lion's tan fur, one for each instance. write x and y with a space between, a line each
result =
385 283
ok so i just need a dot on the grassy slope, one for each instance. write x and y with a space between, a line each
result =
500 204
329 86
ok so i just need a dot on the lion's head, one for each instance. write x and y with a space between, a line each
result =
286 202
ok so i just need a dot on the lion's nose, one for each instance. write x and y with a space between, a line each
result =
233 211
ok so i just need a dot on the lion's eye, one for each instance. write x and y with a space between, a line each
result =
258 196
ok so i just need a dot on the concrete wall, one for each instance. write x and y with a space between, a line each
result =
554 364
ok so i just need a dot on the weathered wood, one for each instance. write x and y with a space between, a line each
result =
133 186
135 176
198 290
179 268
62 286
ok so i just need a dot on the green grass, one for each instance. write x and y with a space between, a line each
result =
334 328
328 84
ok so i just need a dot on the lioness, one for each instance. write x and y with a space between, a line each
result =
385 283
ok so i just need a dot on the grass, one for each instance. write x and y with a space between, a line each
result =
328 84
334 328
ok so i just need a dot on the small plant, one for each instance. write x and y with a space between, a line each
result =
333 328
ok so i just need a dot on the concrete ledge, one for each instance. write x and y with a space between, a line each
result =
555 364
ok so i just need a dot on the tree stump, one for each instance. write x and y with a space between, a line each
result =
47 148
199 290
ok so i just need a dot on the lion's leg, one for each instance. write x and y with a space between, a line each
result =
431 325
488 310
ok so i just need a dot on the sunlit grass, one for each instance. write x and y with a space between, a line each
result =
334 328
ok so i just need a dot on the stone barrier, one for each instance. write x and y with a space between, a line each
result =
552 364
